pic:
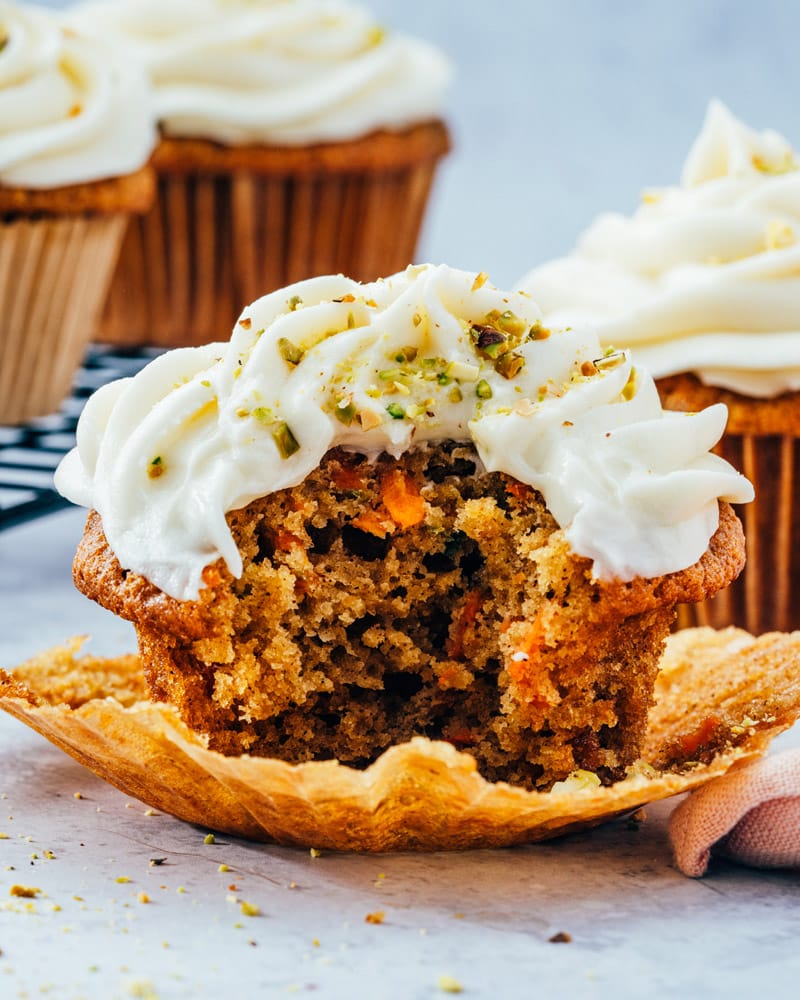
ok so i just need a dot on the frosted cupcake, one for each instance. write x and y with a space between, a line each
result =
703 283
298 138
403 509
76 131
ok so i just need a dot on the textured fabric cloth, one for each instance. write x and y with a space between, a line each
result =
751 815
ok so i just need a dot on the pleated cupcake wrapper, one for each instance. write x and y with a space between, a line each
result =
214 243
54 274
420 795
766 597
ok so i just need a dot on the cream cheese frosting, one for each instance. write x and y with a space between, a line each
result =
429 354
704 277
274 71
71 111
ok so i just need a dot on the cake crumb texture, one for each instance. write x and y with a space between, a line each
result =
382 600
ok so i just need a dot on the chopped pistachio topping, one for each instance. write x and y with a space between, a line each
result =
406 354
294 302
390 374
291 353
156 467
609 361
538 332
284 439
784 165
263 414
375 36
510 365
483 390
463 372
629 389
480 281
455 395
396 411
345 411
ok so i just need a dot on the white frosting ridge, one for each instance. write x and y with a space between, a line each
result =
71 111
383 367
703 277
274 71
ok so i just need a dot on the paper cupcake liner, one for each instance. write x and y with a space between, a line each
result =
54 273
766 597
421 795
214 243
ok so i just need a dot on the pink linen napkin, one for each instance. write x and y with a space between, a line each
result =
751 815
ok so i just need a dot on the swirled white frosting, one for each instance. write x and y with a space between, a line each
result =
383 367
704 277
71 111
274 71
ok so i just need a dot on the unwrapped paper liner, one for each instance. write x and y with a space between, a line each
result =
421 795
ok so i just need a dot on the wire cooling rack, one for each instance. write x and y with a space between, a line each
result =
30 453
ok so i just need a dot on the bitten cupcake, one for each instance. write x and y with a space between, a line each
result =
298 138
403 509
76 131
703 282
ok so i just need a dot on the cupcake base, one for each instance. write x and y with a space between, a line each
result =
420 795
53 277
762 440
58 249
233 223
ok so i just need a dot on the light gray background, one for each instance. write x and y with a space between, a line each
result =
558 110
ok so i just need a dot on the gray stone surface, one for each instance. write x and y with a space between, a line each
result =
559 110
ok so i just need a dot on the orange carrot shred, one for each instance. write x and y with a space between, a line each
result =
372 522
402 499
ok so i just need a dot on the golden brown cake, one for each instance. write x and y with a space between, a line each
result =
385 600
441 520
68 185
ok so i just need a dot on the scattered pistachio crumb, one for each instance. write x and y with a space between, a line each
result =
249 909
122 879
77 795
223 868
209 839
142 897
180 889
375 918
449 984
315 852
315 942
3 836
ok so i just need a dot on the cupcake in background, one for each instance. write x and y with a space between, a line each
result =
703 282
76 132
298 138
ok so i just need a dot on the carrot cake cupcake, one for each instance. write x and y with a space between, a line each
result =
403 508
76 131
702 282
298 138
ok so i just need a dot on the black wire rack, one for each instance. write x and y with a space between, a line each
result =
30 452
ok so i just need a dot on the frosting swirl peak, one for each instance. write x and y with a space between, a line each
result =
703 277
70 111
274 71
